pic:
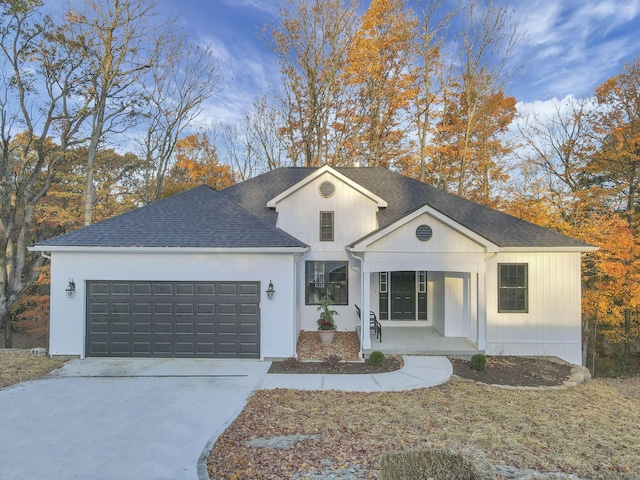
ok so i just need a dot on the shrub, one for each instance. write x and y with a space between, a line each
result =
376 359
291 362
332 361
479 362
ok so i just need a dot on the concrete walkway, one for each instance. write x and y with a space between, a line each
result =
108 418
418 372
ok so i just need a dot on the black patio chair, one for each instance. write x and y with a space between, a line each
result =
374 324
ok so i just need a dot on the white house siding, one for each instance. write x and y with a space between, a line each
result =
277 327
552 325
354 217
354 214
456 304
437 280
444 239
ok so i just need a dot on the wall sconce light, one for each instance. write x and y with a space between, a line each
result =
270 290
71 288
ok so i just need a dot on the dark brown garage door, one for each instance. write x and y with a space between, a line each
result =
173 319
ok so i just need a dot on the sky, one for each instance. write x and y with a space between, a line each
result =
570 47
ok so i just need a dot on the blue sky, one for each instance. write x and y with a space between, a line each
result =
571 46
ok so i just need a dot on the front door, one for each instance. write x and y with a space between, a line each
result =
403 295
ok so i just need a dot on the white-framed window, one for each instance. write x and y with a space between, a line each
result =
384 283
422 281
326 226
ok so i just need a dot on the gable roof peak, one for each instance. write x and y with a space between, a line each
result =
316 173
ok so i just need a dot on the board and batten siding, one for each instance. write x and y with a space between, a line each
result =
552 325
68 315
443 239
354 214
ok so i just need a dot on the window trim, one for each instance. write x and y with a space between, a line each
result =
331 215
505 289
325 282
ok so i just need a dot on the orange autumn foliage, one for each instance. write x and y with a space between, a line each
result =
196 164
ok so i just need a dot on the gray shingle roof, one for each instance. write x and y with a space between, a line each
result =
200 217
405 195
238 216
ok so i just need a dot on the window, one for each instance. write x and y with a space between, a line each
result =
326 278
513 288
383 282
326 226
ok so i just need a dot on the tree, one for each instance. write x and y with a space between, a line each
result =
311 43
196 163
478 109
378 70
560 145
426 86
617 164
176 88
119 44
38 100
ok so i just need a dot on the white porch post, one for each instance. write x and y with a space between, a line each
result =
482 312
365 294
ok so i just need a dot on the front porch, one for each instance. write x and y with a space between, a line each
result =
421 340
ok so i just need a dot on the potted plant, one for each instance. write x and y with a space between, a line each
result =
326 323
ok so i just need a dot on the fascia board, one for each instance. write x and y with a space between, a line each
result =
172 250
362 244
322 170
549 249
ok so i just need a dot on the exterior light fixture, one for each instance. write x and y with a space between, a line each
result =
270 290
71 288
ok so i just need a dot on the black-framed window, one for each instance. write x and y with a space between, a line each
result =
326 226
513 288
326 278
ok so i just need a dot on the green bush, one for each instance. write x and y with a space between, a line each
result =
479 362
376 359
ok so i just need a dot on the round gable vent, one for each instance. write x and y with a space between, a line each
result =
424 232
327 189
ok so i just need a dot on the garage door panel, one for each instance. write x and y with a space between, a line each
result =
169 319
206 308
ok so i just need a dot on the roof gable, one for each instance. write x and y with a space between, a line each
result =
373 237
272 203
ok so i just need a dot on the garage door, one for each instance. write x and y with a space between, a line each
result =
173 319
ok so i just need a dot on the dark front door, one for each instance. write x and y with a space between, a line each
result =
403 295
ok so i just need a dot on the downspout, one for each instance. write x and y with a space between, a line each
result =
364 308
44 255
296 293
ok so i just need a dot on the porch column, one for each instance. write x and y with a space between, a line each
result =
365 294
482 312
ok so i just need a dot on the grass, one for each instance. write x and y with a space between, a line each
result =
590 430
19 366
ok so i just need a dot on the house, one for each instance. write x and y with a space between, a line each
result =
240 272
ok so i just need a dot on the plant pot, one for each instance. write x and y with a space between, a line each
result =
326 336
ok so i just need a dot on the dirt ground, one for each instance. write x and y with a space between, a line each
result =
19 366
587 430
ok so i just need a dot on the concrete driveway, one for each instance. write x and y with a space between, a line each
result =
121 419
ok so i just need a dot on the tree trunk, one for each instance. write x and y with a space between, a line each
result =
626 358
8 337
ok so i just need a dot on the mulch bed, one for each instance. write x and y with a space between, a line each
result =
391 363
516 371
